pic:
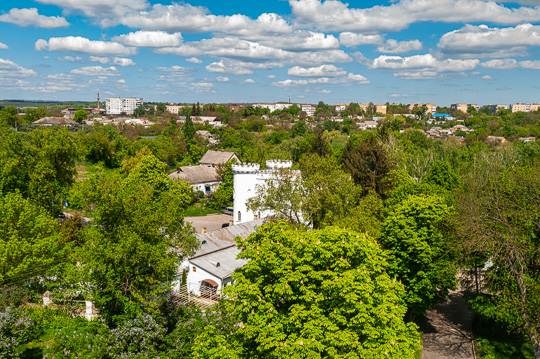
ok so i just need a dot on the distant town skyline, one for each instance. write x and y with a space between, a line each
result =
402 51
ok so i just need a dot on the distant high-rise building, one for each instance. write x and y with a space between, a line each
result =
119 105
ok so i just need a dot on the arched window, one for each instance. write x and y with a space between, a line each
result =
239 216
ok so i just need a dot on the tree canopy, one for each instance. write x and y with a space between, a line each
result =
323 293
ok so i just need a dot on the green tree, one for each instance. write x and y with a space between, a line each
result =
330 193
53 172
140 111
498 219
80 115
418 251
369 165
323 293
223 196
139 238
188 129
161 108
29 240
9 116
299 129
34 114
441 174
319 195
319 144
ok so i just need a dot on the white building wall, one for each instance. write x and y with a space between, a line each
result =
195 277
117 105
246 179
202 186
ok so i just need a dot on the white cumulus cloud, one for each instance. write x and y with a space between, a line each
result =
101 60
96 71
121 61
399 47
351 39
509 64
421 66
10 69
82 45
319 71
149 39
182 17
70 58
482 41
194 60
222 79
334 15
27 17
249 81
101 11
3 46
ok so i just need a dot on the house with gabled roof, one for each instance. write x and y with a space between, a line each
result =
201 178
211 268
213 158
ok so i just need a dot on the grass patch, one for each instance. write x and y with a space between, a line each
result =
199 209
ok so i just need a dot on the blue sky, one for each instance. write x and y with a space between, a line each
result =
402 51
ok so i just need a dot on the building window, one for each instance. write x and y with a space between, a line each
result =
194 268
239 216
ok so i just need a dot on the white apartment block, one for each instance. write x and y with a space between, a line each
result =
463 107
525 107
273 106
341 107
119 105
174 109
309 109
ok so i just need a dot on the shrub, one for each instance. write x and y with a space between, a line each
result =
16 329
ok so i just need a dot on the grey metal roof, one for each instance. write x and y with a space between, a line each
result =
220 247
228 234
195 174
216 157
221 263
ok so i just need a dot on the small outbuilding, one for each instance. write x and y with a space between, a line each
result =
201 178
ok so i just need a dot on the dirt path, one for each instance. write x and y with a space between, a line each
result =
447 333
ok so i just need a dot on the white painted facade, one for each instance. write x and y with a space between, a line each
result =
119 105
273 106
309 110
246 179
196 275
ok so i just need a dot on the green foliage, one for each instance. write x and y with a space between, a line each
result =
127 255
442 175
365 217
188 129
369 165
16 328
498 217
317 294
223 196
9 116
34 114
419 253
80 115
329 192
140 111
29 240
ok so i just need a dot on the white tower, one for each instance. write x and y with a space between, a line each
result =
246 179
